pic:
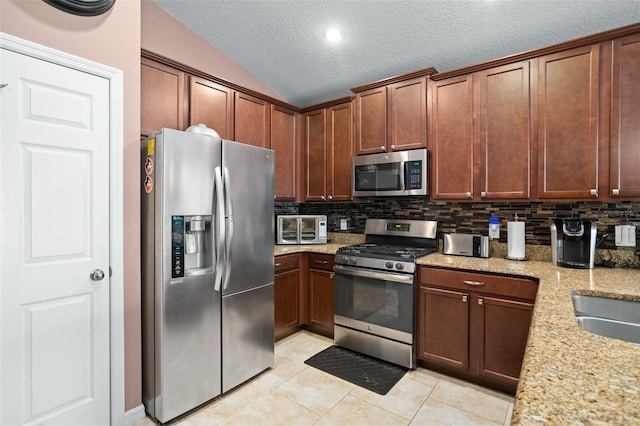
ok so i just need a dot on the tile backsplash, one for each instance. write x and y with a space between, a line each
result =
474 217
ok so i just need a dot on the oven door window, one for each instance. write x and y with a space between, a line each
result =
374 301
379 177
308 230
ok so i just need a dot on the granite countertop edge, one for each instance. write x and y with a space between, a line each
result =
568 376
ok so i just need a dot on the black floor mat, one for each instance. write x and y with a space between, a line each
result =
370 373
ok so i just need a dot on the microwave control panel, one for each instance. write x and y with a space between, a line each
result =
414 174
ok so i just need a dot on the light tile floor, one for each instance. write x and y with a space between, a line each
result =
292 393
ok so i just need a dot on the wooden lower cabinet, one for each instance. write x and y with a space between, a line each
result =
503 328
474 325
286 295
443 318
321 293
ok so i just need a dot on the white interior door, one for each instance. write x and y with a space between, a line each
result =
54 229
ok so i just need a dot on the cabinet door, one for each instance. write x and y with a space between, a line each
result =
568 91
283 142
503 329
211 104
286 296
407 119
371 121
251 120
443 327
340 151
505 132
321 301
625 118
162 91
316 155
451 138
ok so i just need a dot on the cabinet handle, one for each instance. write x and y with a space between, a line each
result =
330 197
483 194
473 283
593 192
468 194
383 148
277 265
331 275
322 262
465 298
615 191
393 147
323 197
480 301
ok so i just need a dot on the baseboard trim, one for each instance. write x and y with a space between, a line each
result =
134 415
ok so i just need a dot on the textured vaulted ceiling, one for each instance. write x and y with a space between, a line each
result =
281 43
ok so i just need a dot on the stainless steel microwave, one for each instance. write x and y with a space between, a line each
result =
391 174
301 229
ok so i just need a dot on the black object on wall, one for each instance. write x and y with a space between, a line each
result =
82 7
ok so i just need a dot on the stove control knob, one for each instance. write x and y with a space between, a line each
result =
353 260
389 265
399 266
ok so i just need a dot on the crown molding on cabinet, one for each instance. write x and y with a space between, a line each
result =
579 42
198 73
395 79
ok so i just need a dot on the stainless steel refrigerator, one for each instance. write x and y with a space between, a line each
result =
207 268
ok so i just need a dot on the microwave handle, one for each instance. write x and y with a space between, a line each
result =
405 176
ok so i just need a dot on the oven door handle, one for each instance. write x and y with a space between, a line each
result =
365 273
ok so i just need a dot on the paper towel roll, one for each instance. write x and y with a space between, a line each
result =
515 240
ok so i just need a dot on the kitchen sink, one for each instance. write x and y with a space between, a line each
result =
619 319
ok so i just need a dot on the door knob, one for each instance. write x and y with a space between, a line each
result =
97 275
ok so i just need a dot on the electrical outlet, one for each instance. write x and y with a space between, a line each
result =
625 235
343 224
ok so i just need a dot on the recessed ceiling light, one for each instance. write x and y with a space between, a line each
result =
333 34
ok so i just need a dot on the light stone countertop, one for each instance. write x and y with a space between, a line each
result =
330 248
569 376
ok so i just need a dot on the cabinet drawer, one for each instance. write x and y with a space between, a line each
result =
321 261
523 288
286 262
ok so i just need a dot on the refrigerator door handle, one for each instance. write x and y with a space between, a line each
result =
229 223
221 231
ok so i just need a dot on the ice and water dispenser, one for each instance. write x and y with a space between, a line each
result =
573 243
191 245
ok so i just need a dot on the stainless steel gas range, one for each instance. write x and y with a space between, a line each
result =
375 289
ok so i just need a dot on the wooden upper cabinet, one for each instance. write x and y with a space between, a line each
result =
568 118
407 115
392 117
316 156
625 118
328 154
252 120
340 151
505 132
371 121
211 104
451 138
162 92
283 142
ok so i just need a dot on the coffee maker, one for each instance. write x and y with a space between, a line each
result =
573 243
